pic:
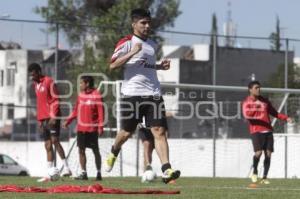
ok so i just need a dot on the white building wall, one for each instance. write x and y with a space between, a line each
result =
297 61
192 157
201 52
171 76
13 94
19 90
2 90
168 49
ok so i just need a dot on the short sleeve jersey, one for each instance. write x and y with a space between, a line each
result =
140 77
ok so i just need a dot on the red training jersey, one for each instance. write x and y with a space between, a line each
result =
89 112
257 112
46 98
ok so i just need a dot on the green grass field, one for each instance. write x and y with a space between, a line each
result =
206 188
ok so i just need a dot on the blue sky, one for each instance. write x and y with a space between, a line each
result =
252 17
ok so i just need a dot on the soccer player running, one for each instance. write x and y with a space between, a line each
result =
48 111
89 114
256 109
141 91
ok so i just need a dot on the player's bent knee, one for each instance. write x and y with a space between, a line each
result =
158 132
125 134
48 146
258 153
146 144
56 143
81 150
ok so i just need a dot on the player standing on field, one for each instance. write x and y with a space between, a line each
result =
141 94
256 109
89 114
48 111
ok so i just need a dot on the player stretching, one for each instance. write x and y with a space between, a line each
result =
89 114
141 91
256 109
47 112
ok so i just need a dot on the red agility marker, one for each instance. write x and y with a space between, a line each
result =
96 188
252 186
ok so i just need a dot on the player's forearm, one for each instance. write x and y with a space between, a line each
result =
282 116
159 67
119 62
100 117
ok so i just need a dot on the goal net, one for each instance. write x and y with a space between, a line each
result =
207 134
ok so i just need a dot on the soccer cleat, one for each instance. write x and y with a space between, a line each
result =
254 178
170 175
66 173
264 181
110 161
98 177
82 176
44 179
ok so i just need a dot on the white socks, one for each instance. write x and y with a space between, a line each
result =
50 165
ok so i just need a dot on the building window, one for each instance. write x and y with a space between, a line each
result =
10 73
10 111
1 78
1 111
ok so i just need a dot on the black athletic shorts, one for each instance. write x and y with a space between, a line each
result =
134 108
263 141
146 135
48 131
87 140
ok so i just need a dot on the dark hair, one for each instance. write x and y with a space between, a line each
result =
34 67
252 83
89 80
140 13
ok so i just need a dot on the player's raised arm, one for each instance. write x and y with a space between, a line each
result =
123 52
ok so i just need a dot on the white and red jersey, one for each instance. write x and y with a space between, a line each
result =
89 112
257 111
140 77
46 98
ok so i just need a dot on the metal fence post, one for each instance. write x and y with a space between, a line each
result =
55 69
286 66
214 125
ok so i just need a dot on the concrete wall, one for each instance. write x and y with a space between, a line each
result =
193 157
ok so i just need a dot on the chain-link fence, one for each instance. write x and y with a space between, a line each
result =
196 59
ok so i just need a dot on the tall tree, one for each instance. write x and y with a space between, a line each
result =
110 18
214 29
101 23
275 37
